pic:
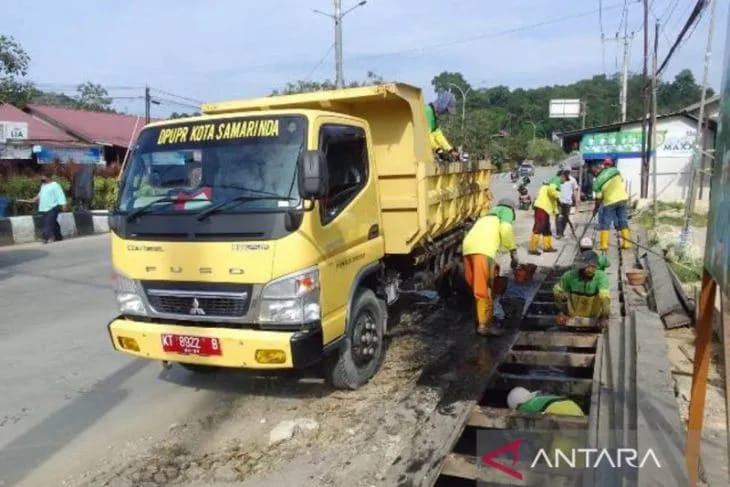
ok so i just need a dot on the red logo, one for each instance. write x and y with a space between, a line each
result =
513 447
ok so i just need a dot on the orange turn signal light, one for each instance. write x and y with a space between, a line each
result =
128 343
270 356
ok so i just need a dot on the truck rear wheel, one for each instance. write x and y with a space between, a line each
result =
360 358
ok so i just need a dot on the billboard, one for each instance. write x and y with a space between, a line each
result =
717 246
565 108
13 131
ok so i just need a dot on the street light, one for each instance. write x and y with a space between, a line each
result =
463 108
337 17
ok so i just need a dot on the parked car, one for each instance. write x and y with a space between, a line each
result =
527 168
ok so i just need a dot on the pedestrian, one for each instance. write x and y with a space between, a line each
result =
569 195
480 246
546 204
611 203
582 294
51 201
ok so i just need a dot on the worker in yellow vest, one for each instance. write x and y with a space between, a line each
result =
613 201
546 205
480 246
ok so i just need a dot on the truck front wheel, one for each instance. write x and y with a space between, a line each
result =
361 356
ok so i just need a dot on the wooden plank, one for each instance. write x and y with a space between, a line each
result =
554 385
486 417
557 339
658 424
469 467
558 359
665 296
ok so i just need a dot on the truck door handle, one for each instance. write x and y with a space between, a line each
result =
374 232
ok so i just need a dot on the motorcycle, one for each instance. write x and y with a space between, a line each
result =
514 175
524 201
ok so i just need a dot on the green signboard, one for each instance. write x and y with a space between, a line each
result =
607 144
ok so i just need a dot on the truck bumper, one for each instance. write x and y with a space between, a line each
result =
238 346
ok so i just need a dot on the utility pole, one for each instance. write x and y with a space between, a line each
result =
337 18
625 80
584 112
644 88
699 136
147 101
654 83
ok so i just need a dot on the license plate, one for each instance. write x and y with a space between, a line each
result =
191 345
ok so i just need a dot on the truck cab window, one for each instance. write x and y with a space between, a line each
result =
347 162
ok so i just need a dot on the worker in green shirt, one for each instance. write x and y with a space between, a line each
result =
611 203
51 201
520 399
445 103
583 293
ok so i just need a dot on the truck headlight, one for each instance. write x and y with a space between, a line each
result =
128 298
291 299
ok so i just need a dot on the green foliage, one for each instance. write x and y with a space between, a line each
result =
544 152
92 96
174 115
307 86
18 187
13 67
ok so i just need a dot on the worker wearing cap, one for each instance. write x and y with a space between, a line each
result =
546 205
445 103
583 292
612 200
490 233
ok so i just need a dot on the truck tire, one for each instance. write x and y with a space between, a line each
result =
362 354
199 369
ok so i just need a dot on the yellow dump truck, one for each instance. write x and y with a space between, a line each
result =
274 233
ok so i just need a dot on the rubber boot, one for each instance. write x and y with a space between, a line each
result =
625 237
604 240
547 244
534 240
483 316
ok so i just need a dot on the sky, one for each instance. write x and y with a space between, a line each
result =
226 49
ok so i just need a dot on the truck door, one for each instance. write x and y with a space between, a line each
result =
349 220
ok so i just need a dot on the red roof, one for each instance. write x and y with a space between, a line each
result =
38 130
93 127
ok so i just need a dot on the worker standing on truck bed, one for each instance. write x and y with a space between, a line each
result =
445 103
583 292
484 239
612 201
546 204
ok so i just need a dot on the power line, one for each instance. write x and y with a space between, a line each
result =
694 16
176 96
624 16
173 102
319 63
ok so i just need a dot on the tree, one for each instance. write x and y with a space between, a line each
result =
93 97
445 79
174 115
14 63
307 86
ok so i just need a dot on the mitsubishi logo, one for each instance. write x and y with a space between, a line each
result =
196 309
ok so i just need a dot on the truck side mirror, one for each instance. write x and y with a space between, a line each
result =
313 175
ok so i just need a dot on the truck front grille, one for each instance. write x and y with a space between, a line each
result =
197 303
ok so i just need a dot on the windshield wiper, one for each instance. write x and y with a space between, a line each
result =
142 209
240 199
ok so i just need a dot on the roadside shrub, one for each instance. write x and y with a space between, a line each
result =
105 193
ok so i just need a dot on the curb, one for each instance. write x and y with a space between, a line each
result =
25 229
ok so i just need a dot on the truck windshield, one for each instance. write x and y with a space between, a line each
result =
193 166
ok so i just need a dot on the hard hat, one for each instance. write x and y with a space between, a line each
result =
519 395
586 243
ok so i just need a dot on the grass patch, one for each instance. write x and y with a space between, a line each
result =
686 272
646 218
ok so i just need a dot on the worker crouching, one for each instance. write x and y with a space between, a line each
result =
480 247
546 205
582 294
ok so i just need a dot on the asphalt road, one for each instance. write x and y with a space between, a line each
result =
68 399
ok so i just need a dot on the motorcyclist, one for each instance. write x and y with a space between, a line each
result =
445 103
